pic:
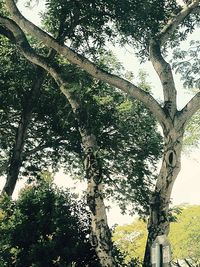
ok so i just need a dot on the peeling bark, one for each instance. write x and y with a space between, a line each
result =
101 235
173 131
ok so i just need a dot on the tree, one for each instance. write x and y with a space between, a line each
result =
17 107
184 237
84 120
51 136
152 26
46 226
143 141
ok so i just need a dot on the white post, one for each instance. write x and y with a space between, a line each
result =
158 256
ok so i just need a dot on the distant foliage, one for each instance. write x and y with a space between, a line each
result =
184 237
131 239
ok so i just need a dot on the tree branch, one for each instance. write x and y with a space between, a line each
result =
6 33
41 61
42 146
86 64
175 21
188 111
164 72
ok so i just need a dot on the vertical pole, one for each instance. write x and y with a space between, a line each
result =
161 255
158 255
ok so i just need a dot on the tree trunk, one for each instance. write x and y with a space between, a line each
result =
101 235
159 208
17 151
100 232
16 158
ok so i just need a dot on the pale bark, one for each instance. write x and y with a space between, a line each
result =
159 207
164 72
101 235
188 111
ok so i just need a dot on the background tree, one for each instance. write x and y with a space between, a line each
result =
131 240
184 237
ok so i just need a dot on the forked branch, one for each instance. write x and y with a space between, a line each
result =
188 111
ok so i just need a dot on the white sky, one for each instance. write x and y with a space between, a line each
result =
186 188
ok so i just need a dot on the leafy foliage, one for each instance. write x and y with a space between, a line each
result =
137 22
87 25
131 239
187 64
185 235
44 135
83 23
128 141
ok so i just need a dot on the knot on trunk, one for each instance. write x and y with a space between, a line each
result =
91 203
171 158
93 240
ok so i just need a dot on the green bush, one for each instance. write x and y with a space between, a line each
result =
46 226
